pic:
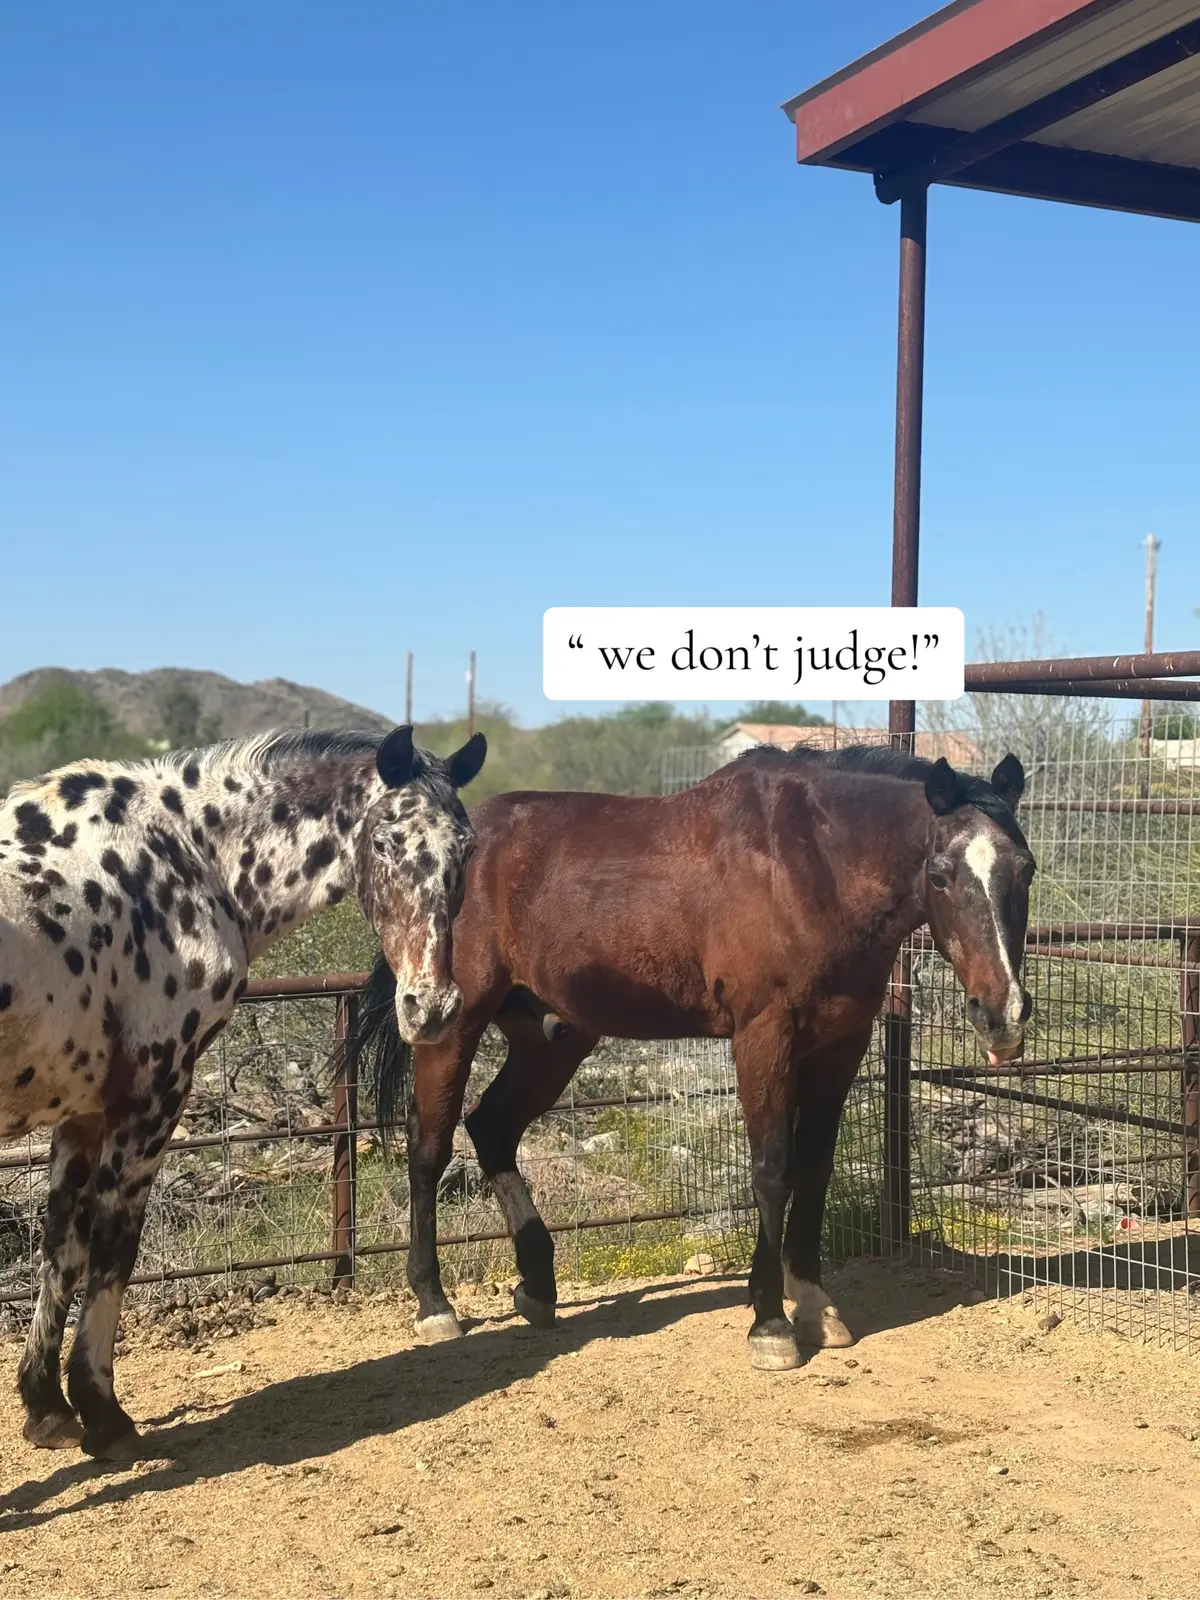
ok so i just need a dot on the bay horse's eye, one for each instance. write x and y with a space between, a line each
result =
940 881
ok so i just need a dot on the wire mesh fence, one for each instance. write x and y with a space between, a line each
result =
276 1170
1075 1173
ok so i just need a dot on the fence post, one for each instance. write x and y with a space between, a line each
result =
345 1145
897 1108
1189 1025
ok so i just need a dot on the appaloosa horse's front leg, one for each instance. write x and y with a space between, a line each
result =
118 1208
49 1420
824 1079
135 1139
763 1054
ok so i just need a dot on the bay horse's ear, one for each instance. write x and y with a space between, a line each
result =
464 764
942 788
394 758
1008 780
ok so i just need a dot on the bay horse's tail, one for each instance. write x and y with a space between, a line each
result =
383 1057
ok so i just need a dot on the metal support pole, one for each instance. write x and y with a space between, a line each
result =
345 1151
910 375
1153 546
897 1109
1189 1022
902 714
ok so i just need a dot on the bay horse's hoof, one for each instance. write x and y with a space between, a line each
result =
117 1447
538 1313
437 1329
816 1323
61 1430
774 1352
826 1332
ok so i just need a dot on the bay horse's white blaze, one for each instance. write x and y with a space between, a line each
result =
133 898
982 860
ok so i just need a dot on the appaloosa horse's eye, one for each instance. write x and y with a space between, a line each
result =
379 846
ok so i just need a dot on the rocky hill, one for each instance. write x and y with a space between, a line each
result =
135 700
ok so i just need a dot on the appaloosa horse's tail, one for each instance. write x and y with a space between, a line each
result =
384 1058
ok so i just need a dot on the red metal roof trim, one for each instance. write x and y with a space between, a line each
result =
896 81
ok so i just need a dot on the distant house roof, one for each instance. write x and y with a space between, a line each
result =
958 748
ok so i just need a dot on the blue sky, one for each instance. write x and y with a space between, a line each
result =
333 331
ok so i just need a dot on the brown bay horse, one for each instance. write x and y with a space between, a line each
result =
766 905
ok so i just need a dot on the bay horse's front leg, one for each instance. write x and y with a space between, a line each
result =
823 1082
440 1073
763 1052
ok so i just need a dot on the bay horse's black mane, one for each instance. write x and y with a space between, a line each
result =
887 761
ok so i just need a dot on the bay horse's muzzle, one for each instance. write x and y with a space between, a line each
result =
1004 1040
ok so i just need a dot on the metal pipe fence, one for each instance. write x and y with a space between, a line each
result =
1074 1174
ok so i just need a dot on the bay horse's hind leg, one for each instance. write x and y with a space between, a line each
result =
763 1053
824 1080
49 1420
536 1070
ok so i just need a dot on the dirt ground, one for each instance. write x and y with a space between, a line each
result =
956 1450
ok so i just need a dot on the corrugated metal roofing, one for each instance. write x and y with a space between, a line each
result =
1157 120
975 63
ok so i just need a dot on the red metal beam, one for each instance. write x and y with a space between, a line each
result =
949 49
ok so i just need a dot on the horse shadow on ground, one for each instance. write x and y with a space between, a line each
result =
1155 1265
298 1419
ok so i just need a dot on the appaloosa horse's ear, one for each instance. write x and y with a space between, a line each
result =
464 764
394 758
942 788
1008 780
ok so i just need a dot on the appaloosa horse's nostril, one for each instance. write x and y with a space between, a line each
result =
411 1007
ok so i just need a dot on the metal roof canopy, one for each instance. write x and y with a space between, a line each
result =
1091 101
1094 102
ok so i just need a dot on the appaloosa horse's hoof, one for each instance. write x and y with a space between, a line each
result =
61 1430
773 1350
538 1313
437 1329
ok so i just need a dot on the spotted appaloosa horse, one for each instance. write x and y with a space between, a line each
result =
132 900
767 906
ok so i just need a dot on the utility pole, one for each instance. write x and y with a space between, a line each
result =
1153 546
408 691
471 696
